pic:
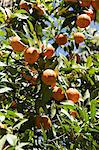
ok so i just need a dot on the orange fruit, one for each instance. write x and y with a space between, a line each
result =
85 3
38 121
39 9
61 39
83 21
17 45
14 104
24 5
90 13
73 94
43 121
49 77
31 55
79 37
49 51
58 94
74 113
95 4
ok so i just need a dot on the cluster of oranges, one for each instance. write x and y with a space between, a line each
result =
49 76
72 94
86 3
84 20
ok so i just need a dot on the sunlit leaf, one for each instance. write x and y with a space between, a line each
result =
12 139
5 89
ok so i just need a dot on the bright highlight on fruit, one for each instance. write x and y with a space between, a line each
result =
49 77
58 94
73 94
74 113
24 5
31 55
79 37
61 39
90 13
16 44
43 121
83 21
49 51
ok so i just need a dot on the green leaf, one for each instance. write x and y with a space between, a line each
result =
2 142
68 104
5 89
85 115
2 118
31 26
2 64
53 110
19 147
87 95
93 108
90 80
89 62
19 124
44 133
2 33
12 139
92 71
97 16
67 114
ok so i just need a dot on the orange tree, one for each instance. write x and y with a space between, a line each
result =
49 82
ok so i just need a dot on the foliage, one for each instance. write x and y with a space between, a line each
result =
21 100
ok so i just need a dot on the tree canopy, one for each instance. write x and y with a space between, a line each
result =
49 75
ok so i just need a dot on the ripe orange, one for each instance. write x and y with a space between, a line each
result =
85 3
83 21
38 121
73 94
39 9
79 37
17 45
24 5
49 51
58 94
74 113
31 55
61 39
49 77
90 13
95 4
43 121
